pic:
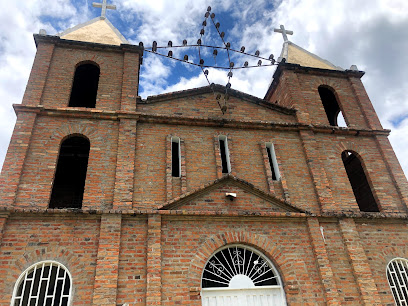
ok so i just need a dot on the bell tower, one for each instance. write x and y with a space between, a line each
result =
331 100
87 72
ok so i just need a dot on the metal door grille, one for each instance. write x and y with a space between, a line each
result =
46 283
397 275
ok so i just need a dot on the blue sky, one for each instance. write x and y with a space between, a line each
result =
373 34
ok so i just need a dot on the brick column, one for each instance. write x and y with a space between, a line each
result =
130 81
153 268
38 75
359 263
394 169
125 165
106 274
3 221
15 158
365 104
320 181
323 263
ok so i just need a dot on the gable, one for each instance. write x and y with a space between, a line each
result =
214 197
196 103
95 31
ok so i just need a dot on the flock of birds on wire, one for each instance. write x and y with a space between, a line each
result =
226 46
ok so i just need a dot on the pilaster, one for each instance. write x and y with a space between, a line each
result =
323 263
130 81
317 171
153 269
38 75
359 263
394 169
15 157
365 104
125 165
106 274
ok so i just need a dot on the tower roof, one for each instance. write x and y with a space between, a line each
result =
295 54
98 30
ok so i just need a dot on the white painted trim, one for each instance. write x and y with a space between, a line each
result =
42 264
227 152
274 160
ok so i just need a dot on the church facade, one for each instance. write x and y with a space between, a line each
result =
109 199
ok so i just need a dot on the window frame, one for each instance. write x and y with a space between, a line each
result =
35 266
395 296
274 166
227 153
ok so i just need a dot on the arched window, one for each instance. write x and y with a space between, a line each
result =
239 275
331 106
397 275
44 283
69 181
359 182
85 86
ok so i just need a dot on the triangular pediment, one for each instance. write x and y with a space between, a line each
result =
201 102
98 30
230 194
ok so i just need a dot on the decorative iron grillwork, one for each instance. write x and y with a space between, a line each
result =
226 46
238 262
46 283
397 275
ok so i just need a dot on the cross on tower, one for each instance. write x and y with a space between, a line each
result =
104 7
284 32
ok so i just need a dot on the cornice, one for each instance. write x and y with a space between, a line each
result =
97 114
56 40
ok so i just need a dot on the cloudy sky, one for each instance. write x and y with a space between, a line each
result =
372 34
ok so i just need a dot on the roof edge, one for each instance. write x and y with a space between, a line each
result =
283 65
243 184
217 88
89 22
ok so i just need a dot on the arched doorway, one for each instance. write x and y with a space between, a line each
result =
240 275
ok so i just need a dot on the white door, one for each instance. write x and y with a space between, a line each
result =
263 296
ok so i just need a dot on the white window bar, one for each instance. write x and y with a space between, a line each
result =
235 260
397 275
273 163
52 275
225 154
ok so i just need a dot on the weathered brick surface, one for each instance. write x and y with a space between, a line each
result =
39 74
69 239
132 261
340 264
106 274
206 105
359 263
39 168
323 263
286 243
61 75
142 256
154 261
16 158
382 242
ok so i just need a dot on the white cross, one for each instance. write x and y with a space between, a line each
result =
284 32
104 6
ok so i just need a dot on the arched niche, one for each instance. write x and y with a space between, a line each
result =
85 85
70 174
331 106
359 182
239 274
